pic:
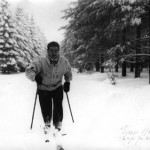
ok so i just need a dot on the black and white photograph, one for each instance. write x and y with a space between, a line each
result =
74 74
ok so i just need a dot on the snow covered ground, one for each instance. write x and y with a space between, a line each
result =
106 116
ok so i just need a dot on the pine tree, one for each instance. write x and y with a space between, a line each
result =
30 41
21 40
94 31
22 44
7 30
37 39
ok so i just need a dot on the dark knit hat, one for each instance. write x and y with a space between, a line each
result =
51 44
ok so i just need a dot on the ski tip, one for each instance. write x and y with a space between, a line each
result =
46 141
55 135
59 147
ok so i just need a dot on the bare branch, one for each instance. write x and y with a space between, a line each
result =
143 38
132 55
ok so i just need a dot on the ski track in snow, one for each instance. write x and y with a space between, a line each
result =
106 116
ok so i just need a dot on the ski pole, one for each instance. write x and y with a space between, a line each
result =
69 107
34 109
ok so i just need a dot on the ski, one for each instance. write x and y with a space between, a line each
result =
47 141
54 136
63 134
58 139
59 147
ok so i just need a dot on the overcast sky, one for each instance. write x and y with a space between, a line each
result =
47 14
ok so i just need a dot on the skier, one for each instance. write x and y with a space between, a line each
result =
48 73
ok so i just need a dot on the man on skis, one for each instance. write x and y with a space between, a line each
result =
48 73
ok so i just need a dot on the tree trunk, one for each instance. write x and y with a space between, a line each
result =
124 68
116 67
149 41
131 67
117 62
102 61
123 43
97 65
138 63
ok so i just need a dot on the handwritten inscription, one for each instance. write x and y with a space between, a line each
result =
132 136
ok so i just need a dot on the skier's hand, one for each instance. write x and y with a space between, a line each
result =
38 79
66 86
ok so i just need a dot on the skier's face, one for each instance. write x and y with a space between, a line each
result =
53 52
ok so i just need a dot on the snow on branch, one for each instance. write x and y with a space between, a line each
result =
132 55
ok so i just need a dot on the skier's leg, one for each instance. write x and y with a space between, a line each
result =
45 100
58 109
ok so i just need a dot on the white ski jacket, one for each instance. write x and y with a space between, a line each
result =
52 74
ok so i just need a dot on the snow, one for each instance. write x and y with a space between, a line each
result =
2 41
136 21
6 45
106 116
126 8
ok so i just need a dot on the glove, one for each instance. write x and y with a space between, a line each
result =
66 86
38 79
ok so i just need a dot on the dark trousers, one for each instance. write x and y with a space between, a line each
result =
45 99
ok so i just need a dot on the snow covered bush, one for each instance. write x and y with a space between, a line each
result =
110 65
